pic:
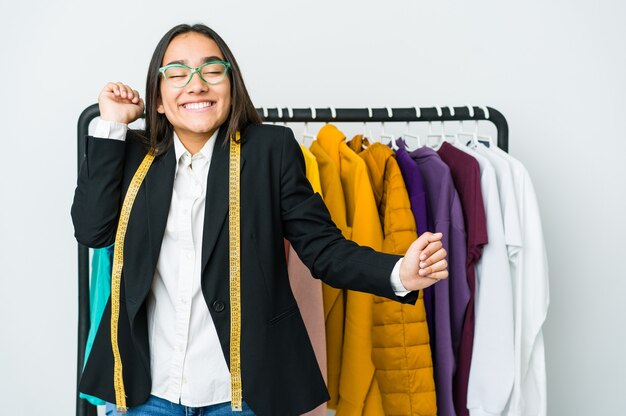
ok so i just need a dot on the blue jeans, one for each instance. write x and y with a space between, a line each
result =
155 406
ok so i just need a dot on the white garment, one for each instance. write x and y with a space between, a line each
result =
508 203
532 298
186 360
492 367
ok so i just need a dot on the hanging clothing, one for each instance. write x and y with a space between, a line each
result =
334 299
415 187
419 206
491 371
358 389
465 173
447 300
401 347
99 293
308 291
508 202
531 299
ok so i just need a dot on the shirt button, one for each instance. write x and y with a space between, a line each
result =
218 306
189 255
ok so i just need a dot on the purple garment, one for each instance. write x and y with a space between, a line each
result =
445 301
466 176
415 186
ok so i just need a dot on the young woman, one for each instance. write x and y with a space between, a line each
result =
174 316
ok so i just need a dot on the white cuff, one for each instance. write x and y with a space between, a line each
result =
110 130
396 283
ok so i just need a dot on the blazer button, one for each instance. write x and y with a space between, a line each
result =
218 306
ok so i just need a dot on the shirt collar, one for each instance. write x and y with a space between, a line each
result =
206 151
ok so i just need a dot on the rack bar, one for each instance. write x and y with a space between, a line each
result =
298 115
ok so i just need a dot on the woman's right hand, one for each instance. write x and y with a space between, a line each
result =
120 103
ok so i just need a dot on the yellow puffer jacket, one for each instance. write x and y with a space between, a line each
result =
401 346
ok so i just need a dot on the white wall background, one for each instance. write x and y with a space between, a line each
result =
555 69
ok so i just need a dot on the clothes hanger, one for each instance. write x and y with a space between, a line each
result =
451 138
474 137
280 114
441 136
432 135
407 134
365 131
487 140
333 113
290 114
306 134
384 136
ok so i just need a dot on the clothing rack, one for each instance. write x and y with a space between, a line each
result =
282 115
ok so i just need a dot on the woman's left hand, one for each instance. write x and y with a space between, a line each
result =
424 262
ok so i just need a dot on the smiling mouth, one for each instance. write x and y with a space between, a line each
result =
198 106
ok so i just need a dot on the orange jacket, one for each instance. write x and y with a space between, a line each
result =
334 305
357 391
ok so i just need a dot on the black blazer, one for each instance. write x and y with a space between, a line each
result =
280 374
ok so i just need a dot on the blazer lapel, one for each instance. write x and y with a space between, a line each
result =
159 186
216 196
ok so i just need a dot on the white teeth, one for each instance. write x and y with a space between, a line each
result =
197 106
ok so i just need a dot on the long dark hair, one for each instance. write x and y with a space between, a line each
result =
159 130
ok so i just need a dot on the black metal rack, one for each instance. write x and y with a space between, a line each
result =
285 115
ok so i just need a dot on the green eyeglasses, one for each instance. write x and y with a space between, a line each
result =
179 75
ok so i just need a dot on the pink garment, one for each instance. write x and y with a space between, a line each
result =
308 293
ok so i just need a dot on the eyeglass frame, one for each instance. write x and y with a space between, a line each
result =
195 71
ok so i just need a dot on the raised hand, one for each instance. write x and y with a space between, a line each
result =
119 102
424 262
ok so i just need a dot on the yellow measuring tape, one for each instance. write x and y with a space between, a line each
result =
116 276
235 269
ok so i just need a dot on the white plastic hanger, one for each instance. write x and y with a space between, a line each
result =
289 114
472 135
432 135
441 136
306 134
384 136
333 113
408 135
280 113
365 133
486 139
448 137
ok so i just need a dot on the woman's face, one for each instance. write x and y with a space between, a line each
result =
197 109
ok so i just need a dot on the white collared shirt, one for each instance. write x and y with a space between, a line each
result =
188 365
186 360
532 299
